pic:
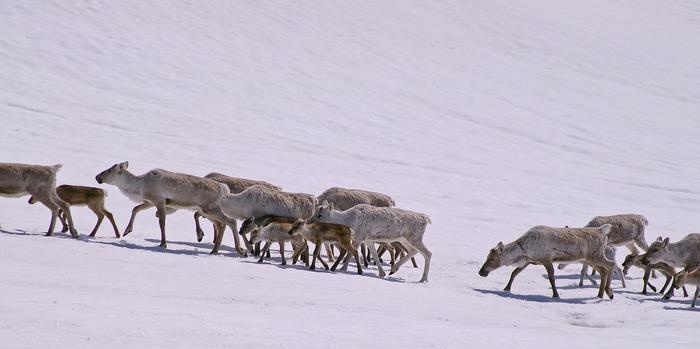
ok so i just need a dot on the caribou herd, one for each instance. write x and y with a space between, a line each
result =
344 219
352 220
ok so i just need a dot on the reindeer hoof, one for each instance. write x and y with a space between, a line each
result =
49 234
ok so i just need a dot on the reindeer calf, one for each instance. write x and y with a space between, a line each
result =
275 232
688 277
319 233
635 260
93 198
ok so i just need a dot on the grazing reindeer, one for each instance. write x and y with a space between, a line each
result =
546 245
381 224
635 260
235 186
318 233
275 232
684 253
17 180
691 278
93 198
164 189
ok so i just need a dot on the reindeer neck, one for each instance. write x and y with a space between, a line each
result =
513 253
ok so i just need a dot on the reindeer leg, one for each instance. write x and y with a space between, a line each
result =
317 251
513 275
110 216
160 207
695 297
198 227
137 209
264 249
550 274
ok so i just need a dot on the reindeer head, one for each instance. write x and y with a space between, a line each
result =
493 261
247 226
657 250
679 279
631 260
321 212
296 227
255 235
108 175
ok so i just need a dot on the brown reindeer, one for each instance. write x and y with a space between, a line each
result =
319 233
93 198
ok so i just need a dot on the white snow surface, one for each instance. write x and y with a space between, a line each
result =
490 116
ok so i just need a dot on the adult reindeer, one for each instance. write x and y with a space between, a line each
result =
17 180
164 189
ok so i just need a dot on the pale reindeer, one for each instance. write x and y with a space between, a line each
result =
626 229
344 198
259 201
235 186
17 180
546 245
164 189
251 223
635 260
685 277
318 233
275 232
93 198
372 224
610 254
684 253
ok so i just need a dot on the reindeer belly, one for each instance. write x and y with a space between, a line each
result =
9 193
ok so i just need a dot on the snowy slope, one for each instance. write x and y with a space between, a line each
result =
490 116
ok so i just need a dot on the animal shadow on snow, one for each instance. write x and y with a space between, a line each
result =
538 298
201 245
132 246
21 232
276 261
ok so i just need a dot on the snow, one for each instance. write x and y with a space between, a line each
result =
490 116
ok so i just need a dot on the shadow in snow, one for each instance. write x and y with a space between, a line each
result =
132 246
538 298
202 245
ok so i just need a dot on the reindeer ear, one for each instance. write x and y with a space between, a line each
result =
124 165
665 242
324 203
500 247
659 239
331 206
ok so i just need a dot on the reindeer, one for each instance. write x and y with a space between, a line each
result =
545 245
380 224
275 232
343 199
259 201
626 229
93 198
688 277
635 260
235 186
17 180
684 253
318 233
164 189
